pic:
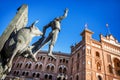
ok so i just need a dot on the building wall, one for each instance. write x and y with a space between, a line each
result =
111 51
98 60
27 69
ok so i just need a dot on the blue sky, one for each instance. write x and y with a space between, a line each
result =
96 13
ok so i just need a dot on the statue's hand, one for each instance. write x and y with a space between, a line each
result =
66 10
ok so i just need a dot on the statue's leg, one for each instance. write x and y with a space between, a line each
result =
19 46
53 40
47 40
9 64
31 54
44 43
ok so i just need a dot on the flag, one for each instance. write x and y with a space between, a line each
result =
108 28
107 25
86 26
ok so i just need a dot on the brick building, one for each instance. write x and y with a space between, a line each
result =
89 60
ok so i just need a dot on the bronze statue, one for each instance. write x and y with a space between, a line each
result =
55 26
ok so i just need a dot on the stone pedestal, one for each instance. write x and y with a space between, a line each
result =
20 20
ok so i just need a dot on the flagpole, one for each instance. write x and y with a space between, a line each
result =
108 29
86 26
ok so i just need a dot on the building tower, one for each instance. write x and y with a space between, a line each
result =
80 53
95 60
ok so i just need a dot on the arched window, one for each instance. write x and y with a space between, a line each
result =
17 72
72 60
29 66
59 78
60 70
14 73
48 67
66 61
97 54
52 68
33 75
40 67
13 65
71 78
17 65
26 65
78 55
98 66
99 77
117 62
64 70
50 77
20 65
36 66
27 73
77 67
43 58
77 77
46 76
38 75
52 59
117 66
38 58
63 60
49 59
118 72
110 69
60 60
23 73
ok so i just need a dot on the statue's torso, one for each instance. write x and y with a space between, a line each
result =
55 25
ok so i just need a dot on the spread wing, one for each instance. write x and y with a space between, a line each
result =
16 23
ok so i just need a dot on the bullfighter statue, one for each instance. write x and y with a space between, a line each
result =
52 37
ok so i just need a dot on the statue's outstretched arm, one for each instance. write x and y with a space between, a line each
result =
64 15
